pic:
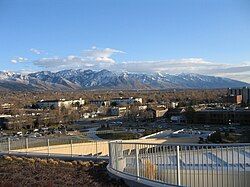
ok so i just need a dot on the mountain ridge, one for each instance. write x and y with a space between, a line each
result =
105 79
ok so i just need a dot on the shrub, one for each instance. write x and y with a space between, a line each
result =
61 162
83 164
102 164
31 160
14 157
53 162
68 163
216 137
43 161
150 170
6 157
50 160
19 159
38 159
91 163
75 163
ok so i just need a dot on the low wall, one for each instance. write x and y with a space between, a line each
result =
100 148
88 148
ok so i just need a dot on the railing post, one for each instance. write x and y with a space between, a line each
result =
178 165
27 145
71 147
96 150
137 162
9 145
116 156
48 147
110 155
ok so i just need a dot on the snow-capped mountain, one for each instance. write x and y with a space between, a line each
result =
104 79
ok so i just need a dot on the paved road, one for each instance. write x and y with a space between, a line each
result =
92 135
158 135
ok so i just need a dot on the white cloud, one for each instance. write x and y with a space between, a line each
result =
56 63
94 58
71 62
36 51
101 56
18 60
173 66
188 65
104 53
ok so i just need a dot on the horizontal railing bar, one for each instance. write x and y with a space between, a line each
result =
51 138
181 144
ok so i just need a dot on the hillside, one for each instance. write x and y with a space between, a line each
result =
104 79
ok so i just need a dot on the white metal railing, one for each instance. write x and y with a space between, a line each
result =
204 165
53 146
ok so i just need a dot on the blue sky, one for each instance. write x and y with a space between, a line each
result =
168 36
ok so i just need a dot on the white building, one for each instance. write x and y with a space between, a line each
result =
100 103
59 103
118 111
143 107
174 104
129 100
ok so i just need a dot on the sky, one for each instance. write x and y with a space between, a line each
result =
210 37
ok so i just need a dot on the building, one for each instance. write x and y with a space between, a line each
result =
100 103
157 112
178 119
222 117
173 104
89 115
174 112
234 99
118 111
4 121
143 107
59 103
245 92
48 103
6 106
129 100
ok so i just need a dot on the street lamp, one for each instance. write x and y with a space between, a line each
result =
229 123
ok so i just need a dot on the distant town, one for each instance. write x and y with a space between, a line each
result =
53 113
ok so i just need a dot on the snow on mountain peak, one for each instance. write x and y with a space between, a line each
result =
77 79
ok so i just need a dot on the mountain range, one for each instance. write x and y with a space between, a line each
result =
104 79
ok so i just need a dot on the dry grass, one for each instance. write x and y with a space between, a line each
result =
19 172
